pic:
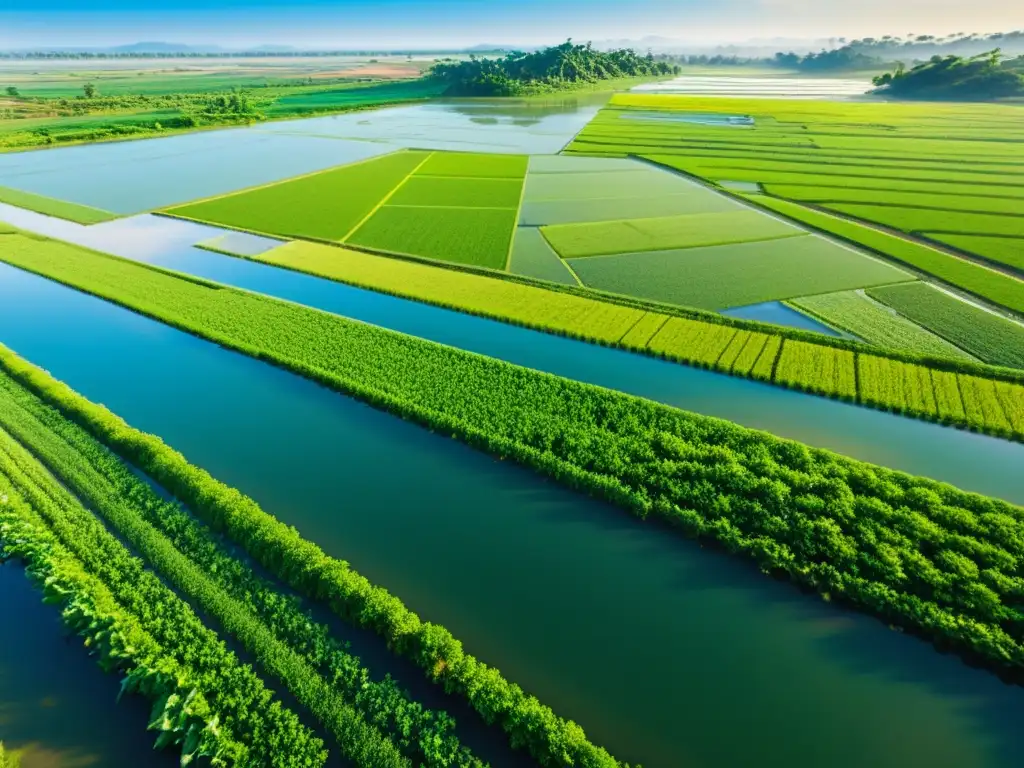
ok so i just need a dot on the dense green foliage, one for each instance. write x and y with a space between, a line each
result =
978 78
557 68
365 716
61 209
912 551
303 566
222 707
852 311
985 335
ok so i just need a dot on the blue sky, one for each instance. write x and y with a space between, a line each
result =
358 23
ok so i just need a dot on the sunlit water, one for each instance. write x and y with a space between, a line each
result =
666 653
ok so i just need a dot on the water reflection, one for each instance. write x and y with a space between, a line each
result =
662 651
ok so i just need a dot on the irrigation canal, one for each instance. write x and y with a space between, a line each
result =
666 653
971 461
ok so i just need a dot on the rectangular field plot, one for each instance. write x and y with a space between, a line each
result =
1005 250
820 369
692 340
663 233
924 220
726 276
642 182
459 192
479 236
896 385
475 165
322 206
608 209
533 257
876 323
989 337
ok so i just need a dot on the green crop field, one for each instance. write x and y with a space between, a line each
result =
80 214
533 257
582 210
929 171
642 182
944 202
586 318
326 205
663 233
986 283
736 275
914 220
1005 250
458 192
475 165
480 236
987 336
854 312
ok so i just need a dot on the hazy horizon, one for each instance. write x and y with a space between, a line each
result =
365 24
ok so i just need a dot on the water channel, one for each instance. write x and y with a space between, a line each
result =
667 654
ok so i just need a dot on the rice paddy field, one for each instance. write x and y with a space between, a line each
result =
381 440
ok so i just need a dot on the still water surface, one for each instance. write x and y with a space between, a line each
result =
666 653
971 461
56 704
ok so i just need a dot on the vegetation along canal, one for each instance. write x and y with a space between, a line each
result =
655 622
971 461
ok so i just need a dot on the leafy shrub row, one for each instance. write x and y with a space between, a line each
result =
328 680
205 699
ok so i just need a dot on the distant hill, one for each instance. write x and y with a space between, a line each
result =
148 47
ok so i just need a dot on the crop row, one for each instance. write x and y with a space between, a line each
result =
915 552
328 681
886 197
998 288
984 334
248 716
913 220
181 713
304 567
125 281
877 324
1002 250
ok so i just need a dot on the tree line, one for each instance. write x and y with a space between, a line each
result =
556 68
983 77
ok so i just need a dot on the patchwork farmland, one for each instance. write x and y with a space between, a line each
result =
384 424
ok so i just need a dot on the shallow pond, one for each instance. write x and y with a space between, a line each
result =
666 653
